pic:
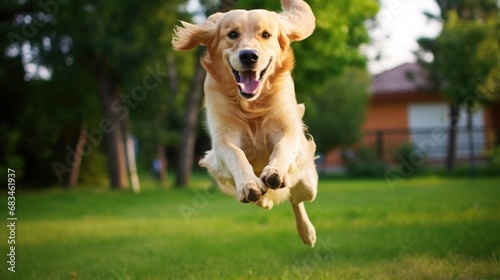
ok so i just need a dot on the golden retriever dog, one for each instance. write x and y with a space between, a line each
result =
261 152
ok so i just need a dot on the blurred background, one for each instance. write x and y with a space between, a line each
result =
93 94
402 98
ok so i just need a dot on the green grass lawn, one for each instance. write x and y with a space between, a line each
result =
427 228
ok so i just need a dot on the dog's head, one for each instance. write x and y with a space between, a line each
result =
248 49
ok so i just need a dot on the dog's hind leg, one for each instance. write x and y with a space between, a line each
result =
305 190
305 228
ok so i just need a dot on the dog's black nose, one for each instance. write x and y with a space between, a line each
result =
249 57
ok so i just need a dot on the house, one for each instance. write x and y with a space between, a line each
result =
401 111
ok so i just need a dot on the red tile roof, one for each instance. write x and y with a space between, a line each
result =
406 78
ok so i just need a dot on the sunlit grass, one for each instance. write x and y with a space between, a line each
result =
424 228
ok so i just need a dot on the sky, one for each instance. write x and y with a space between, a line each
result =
401 23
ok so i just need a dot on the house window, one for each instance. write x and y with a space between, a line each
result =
429 123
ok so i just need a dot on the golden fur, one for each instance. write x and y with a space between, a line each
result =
260 151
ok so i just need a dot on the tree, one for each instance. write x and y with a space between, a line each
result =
465 9
186 155
466 59
40 119
336 117
97 53
477 46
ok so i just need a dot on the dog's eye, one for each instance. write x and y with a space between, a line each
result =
265 35
233 35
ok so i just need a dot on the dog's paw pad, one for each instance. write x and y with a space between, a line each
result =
251 191
253 195
273 178
273 181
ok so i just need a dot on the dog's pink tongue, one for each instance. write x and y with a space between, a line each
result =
248 81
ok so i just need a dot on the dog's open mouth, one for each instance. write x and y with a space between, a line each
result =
248 81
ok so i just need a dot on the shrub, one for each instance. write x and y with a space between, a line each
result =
365 163
409 154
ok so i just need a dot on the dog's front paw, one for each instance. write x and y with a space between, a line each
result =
250 191
274 178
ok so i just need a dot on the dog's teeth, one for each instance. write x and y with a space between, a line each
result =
264 71
237 76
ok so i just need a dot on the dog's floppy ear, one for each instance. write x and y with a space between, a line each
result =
189 35
298 19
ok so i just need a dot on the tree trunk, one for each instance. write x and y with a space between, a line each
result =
452 136
495 113
77 160
470 133
186 153
380 145
132 165
160 148
163 173
173 75
112 130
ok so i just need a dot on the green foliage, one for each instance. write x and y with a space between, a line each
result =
466 63
465 68
402 155
12 87
364 163
133 39
494 161
427 228
91 170
335 115
9 159
466 9
476 46
72 39
404 151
